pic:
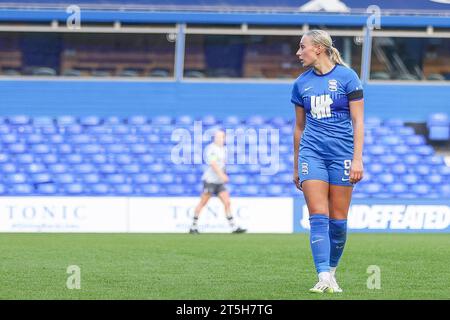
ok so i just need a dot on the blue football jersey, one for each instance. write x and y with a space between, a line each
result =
328 130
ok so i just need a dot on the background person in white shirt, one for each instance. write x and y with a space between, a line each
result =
214 179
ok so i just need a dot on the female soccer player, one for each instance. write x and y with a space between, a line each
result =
214 179
329 131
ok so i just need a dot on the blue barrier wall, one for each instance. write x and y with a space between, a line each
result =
122 98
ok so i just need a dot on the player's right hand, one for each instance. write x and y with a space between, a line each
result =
296 181
225 178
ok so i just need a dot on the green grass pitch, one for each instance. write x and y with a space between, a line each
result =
217 266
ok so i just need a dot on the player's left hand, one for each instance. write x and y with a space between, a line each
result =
356 171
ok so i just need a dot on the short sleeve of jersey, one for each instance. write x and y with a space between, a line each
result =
296 96
353 87
211 154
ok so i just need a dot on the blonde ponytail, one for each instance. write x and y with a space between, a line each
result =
335 56
322 38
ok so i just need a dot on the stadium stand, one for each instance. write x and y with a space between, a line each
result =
96 156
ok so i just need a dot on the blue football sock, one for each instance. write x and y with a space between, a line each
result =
320 242
338 235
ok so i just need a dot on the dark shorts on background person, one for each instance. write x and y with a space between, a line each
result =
213 188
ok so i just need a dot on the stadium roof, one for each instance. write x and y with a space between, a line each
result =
348 13
349 6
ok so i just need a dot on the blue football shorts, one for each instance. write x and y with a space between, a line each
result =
336 172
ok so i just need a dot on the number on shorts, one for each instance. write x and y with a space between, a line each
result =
347 165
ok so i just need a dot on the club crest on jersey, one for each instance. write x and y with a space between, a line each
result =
332 85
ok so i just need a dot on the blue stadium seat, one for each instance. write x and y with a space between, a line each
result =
376 168
404 131
130 168
74 158
8 168
398 168
107 168
410 178
90 121
56 138
376 150
120 129
49 158
444 190
34 138
372 188
41 149
391 140
184 120
161 120
434 179
209 120
112 120
142 178
66 120
4 157
420 189
389 159
41 178
116 148
24 158
386 178
239 179
84 168
231 121
22 189
394 123
99 159
122 159
74 188
9 138
90 148
47 189
424 150
130 139
16 178
17 148
176 190
274 190
124 189
90 178
137 120
64 178
19 120
155 168
35 168
422 169
100 188
165 178
65 148
190 178
411 159
250 190
397 188
415 140
401 149
438 125
42 121
81 139
151 189
58 168
435 160
372 122
255 121
145 159
106 139
74 129
116 178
